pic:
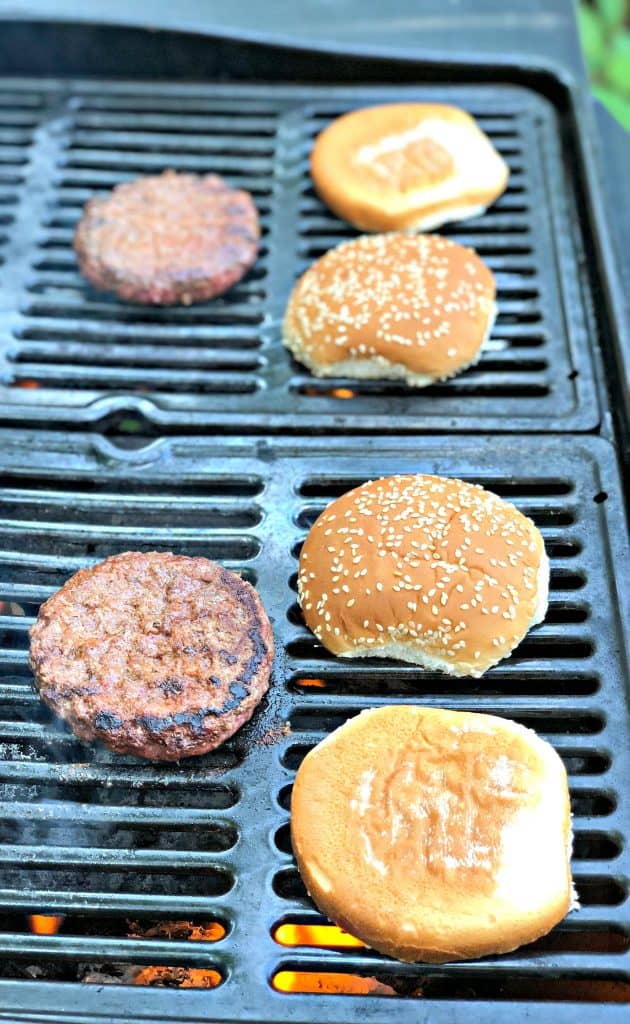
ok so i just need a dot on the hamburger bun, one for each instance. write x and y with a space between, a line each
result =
406 165
435 835
423 569
416 308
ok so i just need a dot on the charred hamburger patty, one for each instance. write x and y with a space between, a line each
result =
170 238
156 654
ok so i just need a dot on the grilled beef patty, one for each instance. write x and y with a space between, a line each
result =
169 238
156 655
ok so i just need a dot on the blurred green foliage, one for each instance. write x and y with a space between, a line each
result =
605 32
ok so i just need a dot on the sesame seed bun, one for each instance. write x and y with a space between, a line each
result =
454 828
400 307
406 165
423 569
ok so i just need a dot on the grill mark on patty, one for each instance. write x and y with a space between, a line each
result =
238 688
194 719
107 721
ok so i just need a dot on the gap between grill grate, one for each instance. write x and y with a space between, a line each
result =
210 838
70 352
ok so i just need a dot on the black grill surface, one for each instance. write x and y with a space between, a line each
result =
107 840
222 363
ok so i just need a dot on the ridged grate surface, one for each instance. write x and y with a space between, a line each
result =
116 845
71 354
19 112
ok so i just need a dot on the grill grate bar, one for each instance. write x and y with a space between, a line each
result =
112 949
70 564
97 144
137 126
563 964
99 902
134 778
106 859
118 378
128 816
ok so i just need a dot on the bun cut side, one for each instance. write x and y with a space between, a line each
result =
435 835
424 569
416 308
411 166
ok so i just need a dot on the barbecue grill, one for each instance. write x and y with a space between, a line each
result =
134 891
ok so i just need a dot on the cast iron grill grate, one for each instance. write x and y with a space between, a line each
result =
72 354
116 846
18 117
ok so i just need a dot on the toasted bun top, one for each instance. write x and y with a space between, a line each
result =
422 301
427 562
434 835
406 165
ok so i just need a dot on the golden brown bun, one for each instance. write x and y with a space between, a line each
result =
425 569
406 165
435 835
412 307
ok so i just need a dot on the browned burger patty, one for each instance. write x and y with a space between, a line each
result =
156 654
170 238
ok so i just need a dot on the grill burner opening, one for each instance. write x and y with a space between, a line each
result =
326 935
178 977
471 986
328 983
45 924
112 972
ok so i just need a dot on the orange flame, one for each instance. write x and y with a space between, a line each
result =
326 935
44 924
333 984
209 931
333 393
312 682
178 977
28 384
